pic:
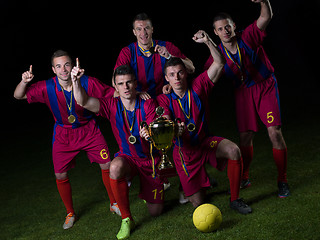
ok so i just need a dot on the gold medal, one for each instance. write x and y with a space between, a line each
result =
71 118
191 127
132 139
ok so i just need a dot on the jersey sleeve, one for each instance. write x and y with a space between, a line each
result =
105 106
253 36
36 92
208 63
98 89
150 110
124 57
174 51
202 85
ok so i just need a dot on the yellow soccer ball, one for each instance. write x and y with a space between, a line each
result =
207 218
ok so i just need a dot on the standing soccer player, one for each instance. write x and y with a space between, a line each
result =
148 56
256 89
75 128
196 146
125 114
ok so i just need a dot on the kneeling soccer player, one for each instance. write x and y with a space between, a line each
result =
196 146
125 114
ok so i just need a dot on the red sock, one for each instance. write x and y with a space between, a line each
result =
280 158
247 156
106 182
64 189
120 191
234 175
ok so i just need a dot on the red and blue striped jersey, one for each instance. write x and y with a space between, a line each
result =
113 109
255 66
148 70
198 93
50 93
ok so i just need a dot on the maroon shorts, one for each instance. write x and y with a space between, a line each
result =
68 142
259 101
151 189
191 165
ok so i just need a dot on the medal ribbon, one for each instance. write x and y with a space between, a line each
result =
182 160
144 50
188 117
189 105
68 105
153 163
239 54
125 113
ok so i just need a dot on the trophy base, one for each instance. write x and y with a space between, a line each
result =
167 172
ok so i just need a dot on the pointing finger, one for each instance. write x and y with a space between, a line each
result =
30 69
77 63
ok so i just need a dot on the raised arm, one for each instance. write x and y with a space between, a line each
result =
163 51
215 70
20 91
90 103
265 14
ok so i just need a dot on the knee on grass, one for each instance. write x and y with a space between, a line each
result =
155 209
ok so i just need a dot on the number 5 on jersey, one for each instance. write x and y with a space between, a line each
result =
270 117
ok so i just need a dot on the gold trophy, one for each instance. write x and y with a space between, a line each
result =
162 132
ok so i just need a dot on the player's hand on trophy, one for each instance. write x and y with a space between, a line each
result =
181 128
201 37
76 72
144 133
28 75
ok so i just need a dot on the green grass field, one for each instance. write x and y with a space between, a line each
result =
31 207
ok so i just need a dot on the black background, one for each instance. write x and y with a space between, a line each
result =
96 31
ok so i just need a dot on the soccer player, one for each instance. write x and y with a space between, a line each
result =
75 128
148 56
256 88
196 146
125 114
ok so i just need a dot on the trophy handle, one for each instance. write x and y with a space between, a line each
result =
144 124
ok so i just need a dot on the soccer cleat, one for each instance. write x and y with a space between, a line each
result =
126 226
245 183
283 190
182 198
166 186
70 219
114 208
240 206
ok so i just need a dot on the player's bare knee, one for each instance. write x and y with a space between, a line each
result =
155 210
233 152
195 200
61 176
275 135
116 169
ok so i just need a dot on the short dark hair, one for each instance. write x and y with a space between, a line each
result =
123 70
173 61
60 53
141 17
221 16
